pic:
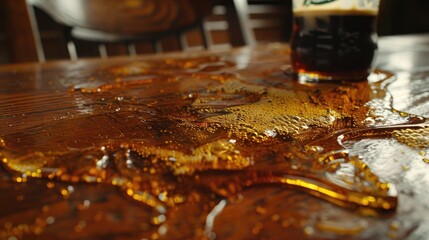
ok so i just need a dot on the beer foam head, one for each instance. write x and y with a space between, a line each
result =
364 7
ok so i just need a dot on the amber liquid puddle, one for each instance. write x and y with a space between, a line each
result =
200 138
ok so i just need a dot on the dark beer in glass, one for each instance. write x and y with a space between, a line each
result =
331 42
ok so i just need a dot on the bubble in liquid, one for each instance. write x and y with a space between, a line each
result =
415 138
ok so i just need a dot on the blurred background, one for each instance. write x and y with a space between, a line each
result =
229 23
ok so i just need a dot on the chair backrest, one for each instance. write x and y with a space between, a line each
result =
264 20
126 21
108 27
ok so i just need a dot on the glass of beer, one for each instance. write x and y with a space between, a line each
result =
333 39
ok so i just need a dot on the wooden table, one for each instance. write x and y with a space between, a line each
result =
215 145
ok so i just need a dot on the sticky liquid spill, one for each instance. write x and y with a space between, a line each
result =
175 134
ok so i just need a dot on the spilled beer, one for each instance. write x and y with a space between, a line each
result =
334 39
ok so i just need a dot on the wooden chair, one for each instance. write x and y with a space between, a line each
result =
264 20
126 22
56 28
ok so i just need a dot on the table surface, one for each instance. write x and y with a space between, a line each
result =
215 145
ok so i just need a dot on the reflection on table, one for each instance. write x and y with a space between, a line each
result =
221 145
